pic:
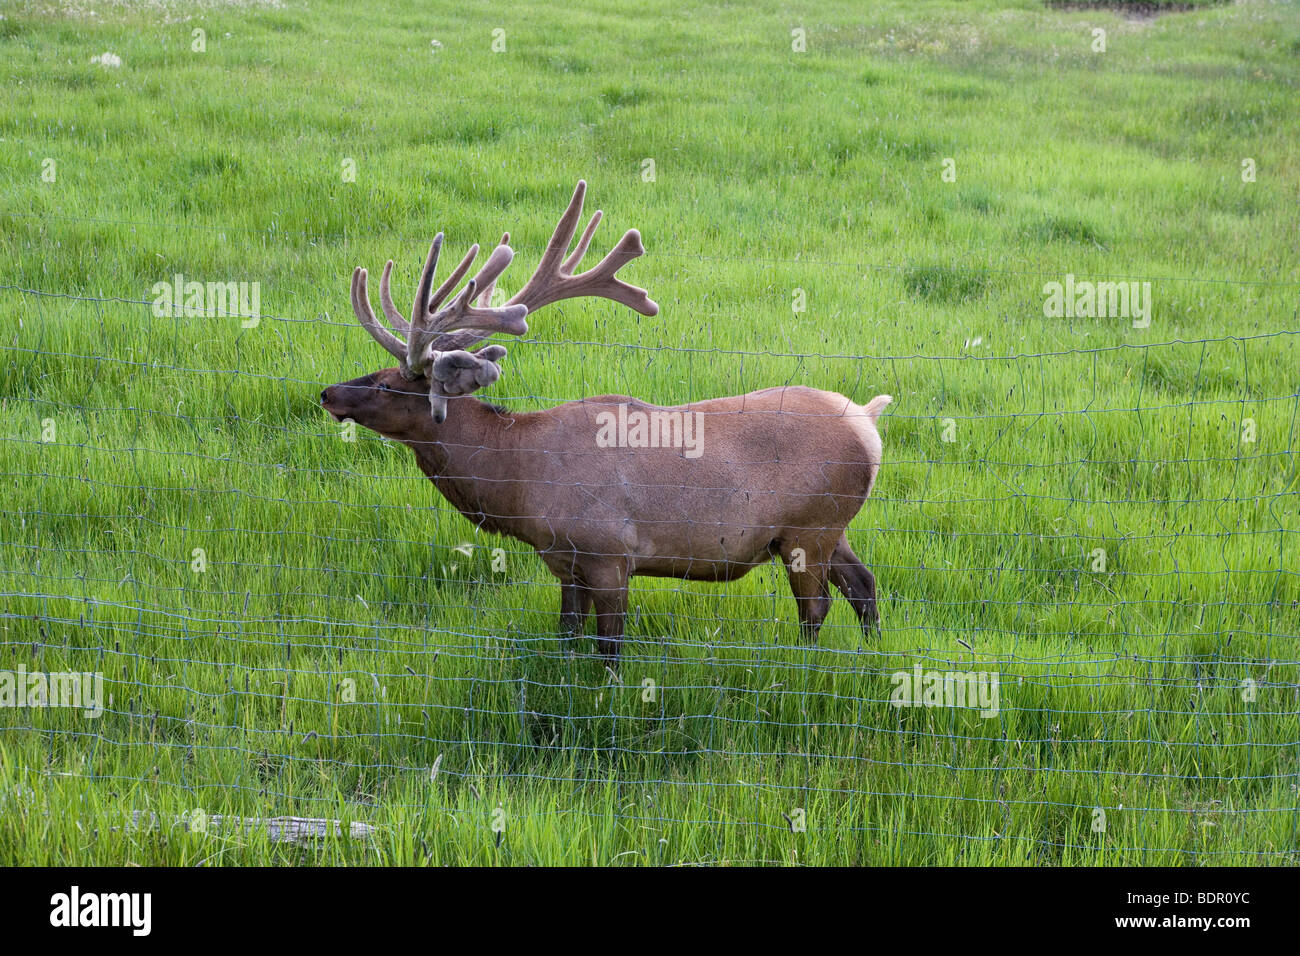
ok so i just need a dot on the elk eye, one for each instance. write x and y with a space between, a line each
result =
383 387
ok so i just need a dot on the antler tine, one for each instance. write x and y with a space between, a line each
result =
496 264
571 263
601 280
485 289
419 314
456 275
361 305
559 242
553 280
395 318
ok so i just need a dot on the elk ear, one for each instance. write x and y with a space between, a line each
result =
460 372
488 371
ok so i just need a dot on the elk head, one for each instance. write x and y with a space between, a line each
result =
433 346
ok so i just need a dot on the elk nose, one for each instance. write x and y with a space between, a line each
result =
325 396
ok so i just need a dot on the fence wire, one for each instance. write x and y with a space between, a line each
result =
263 601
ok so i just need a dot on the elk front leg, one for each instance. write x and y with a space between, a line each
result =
607 585
575 602
857 584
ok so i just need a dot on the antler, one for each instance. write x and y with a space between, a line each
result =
431 331
554 280
416 343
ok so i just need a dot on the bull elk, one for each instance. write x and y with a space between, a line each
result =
609 487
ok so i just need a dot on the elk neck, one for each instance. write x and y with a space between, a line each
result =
451 455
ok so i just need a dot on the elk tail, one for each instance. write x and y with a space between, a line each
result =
877 405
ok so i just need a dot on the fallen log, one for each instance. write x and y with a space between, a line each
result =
279 829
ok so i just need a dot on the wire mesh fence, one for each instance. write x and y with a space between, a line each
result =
1086 560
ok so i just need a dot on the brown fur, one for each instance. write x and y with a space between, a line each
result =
781 469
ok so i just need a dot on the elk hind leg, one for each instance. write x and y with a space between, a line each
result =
808 584
857 583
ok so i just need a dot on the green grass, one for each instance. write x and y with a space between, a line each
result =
338 645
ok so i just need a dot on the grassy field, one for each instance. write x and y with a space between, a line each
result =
1103 515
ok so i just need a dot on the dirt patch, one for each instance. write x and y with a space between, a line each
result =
1144 10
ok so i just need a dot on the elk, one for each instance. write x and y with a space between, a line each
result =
609 487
